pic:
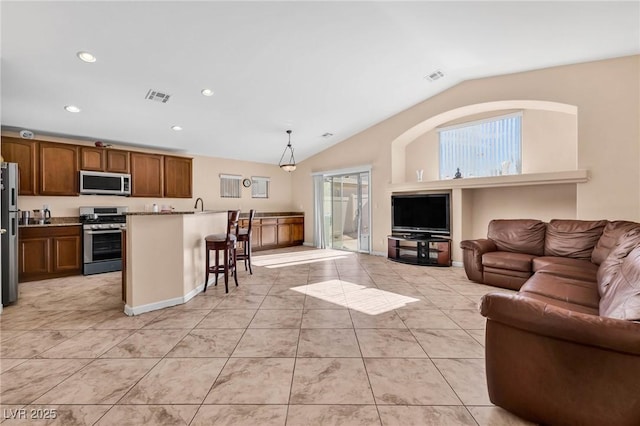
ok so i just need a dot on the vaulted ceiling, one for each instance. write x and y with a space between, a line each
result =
313 67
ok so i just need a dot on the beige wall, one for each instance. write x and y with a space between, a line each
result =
608 135
542 132
543 202
205 185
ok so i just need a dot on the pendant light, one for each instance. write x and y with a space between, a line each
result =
288 165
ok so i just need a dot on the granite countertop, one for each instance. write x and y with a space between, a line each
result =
261 215
173 212
54 221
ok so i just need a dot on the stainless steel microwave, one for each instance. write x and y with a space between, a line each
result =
102 183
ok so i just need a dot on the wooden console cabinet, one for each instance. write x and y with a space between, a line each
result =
275 232
428 251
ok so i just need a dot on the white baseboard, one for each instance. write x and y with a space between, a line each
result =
308 244
163 303
379 253
456 263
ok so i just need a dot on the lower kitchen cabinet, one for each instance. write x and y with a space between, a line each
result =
49 252
269 233
290 231
272 232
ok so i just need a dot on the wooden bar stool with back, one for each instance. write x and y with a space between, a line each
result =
226 243
244 237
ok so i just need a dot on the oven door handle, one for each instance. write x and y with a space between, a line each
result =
110 231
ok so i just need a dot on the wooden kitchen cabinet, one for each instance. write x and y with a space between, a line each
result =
256 232
104 160
117 161
58 169
284 234
49 252
92 159
177 177
290 231
147 175
297 232
25 153
269 233
272 232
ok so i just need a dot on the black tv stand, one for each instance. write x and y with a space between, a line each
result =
419 249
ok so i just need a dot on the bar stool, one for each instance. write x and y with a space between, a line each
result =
244 237
227 244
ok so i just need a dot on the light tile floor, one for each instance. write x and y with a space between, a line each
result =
347 340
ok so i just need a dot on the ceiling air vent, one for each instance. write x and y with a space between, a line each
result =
436 75
154 95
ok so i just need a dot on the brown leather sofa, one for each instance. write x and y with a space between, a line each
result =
564 350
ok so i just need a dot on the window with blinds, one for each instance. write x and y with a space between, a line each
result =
230 186
260 187
490 147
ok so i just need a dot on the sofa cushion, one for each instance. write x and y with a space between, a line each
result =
611 266
508 260
572 238
505 279
622 299
559 303
518 235
543 262
572 271
562 288
610 235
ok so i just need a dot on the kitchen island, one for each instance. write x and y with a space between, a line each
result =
164 257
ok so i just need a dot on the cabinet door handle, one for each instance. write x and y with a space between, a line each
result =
3 231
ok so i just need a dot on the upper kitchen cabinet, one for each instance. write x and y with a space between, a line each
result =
104 160
146 175
58 169
117 161
25 153
92 159
177 177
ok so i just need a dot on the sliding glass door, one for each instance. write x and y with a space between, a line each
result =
345 205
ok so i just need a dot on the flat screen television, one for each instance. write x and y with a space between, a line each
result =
421 213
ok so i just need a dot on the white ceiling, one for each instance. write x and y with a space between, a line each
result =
313 67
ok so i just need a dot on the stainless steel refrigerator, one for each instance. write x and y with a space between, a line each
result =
9 223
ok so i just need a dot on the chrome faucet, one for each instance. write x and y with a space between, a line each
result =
201 204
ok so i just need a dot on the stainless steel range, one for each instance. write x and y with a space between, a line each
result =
102 228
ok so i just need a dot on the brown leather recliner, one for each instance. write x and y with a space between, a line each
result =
565 350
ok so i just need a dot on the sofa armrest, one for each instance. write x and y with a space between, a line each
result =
472 251
481 245
551 321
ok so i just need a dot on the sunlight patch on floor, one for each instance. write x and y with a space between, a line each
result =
281 260
368 300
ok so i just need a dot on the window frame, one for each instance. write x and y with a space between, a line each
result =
237 179
517 161
254 185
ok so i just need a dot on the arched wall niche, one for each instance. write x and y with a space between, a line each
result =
544 123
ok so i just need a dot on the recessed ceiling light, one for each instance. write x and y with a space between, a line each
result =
176 128
86 57
72 108
207 92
